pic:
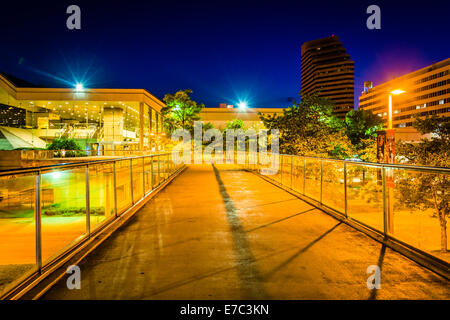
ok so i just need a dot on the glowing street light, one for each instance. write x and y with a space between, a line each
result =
79 87
242 105
393 92
397 91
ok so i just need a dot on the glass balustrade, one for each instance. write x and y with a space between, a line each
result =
73 201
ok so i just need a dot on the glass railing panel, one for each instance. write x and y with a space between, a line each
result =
420 209
165 166
286 171
17 228
138 176
101 193
123 185
148 173
312 175
275 168
333 194
155 164
365 195
63 209
297 174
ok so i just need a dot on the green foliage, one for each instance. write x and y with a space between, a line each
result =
64 144
235 124
310 128
424 190
180 111
431 152
55 209
361 125
71 147
207 126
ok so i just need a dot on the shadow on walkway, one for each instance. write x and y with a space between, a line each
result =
299 252
373 292
250 278
280 220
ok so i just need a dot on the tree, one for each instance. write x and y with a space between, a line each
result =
310 128
423 190
207 126
361 127
180 111
235 124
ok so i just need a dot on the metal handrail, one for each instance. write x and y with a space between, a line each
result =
379 165
72 164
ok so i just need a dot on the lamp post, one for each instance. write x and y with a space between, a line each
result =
386 154
392 93
390 132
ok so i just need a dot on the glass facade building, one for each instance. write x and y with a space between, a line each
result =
100 120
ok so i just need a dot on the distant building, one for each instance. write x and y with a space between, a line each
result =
220 116
102 119
224 105
427 93
326 68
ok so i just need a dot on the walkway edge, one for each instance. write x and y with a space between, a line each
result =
37 285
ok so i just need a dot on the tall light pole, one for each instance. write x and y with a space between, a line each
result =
386 153
394 92
386 137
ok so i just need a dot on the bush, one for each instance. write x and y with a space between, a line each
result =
64 144
71 147
56 210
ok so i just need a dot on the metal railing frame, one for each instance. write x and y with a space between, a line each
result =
385 234
37 172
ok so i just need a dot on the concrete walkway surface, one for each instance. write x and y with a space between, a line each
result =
222 233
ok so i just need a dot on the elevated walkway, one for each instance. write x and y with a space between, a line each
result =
222 233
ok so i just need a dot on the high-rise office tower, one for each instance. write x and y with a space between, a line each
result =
326 69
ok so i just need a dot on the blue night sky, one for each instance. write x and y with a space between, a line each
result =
224 50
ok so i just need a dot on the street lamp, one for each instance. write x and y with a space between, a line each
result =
242 105
386 137
388 154
393 92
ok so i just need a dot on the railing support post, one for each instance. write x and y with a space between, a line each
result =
159 170
143 177
115 188
281 169
304 175
88 203
292 161
385 205
152 182
345 189
37 218
321 180
131 180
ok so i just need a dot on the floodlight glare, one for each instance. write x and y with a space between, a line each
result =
398 91
242 105
79 87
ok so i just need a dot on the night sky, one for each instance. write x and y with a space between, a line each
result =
225 51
